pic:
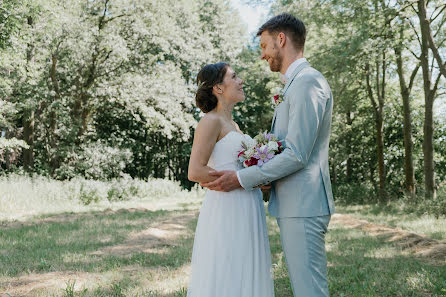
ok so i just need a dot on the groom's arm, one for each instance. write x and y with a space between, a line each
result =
308 99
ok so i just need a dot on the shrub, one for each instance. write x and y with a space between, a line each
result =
420 205
351 194
95 160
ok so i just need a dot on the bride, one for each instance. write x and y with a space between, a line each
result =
231 256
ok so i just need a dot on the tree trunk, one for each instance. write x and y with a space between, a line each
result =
28 116
380 147
428 140
378 108
333 172
348 147
53 116
408 145
407 117
428 150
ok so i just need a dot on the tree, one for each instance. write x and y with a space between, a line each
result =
430 85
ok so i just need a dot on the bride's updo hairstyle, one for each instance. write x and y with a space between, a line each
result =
207 78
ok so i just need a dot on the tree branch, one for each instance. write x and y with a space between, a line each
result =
435 51
433 19
440 26
415 30
417 57
434 89
412 76
369 87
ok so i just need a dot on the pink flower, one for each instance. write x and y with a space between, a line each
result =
263 156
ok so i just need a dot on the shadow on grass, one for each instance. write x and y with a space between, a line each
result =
67 245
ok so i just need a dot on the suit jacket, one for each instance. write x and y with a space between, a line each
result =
300 177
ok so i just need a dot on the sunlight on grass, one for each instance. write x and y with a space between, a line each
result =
394 217
23 197
125 248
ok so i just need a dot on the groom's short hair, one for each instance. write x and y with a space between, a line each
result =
288 24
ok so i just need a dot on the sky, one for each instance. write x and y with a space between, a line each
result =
253 17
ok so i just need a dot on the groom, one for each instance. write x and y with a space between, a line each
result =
301 196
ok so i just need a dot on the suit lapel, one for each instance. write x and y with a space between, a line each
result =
292 77
294 74
274 119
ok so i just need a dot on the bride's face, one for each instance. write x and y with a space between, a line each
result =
232 87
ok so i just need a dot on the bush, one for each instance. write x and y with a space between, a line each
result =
352 194
10 150
95 160
124 188
420 205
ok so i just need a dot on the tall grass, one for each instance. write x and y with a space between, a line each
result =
24 196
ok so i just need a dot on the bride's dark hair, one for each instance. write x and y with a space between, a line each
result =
207 78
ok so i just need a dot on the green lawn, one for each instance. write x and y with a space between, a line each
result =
393 216
146 252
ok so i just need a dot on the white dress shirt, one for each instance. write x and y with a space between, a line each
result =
284 79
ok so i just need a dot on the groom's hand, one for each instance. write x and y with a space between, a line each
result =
265 188
227 181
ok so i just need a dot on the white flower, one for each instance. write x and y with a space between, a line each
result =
272 145
251 152
251 142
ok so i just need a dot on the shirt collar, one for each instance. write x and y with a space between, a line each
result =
293 67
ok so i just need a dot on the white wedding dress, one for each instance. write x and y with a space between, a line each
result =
231 255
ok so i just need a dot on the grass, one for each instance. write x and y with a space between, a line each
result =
91 250
394 216
22 197
363 265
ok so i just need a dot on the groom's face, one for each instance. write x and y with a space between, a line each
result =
271 51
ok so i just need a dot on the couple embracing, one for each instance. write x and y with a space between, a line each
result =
231 254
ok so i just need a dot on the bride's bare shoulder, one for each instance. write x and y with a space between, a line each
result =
211 119
210 123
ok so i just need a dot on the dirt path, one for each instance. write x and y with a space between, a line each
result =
434 251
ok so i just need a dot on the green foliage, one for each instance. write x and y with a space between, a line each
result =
95 161
352 194
419 205
11 144
100 89
347 40
9 20
119 73
254 115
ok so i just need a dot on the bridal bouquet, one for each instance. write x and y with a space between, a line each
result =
260 149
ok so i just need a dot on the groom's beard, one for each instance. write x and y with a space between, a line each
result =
276 63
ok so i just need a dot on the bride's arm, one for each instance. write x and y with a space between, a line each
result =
205 137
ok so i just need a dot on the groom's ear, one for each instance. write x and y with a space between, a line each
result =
281 39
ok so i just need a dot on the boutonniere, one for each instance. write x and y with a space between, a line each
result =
277 99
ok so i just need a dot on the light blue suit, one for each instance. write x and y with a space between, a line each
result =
301 196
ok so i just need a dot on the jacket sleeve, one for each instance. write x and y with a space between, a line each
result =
308 98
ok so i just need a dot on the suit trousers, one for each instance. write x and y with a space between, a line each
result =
303 243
